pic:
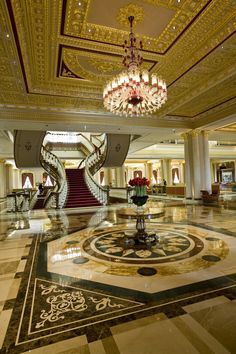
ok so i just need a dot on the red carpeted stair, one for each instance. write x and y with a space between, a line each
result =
78 193
39 203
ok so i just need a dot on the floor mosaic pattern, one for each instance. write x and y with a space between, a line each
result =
72 282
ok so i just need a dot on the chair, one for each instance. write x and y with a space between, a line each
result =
210 198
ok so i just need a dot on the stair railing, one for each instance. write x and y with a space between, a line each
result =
33 199
101 193
96 159
92 164
55 168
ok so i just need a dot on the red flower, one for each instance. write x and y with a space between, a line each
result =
138 181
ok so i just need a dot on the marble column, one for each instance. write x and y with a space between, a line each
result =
205 161
9 178
197 168
235 171
188 165
181 173
107 176
3 179
16 179
149 171
197 163
213 171
120 176
167 172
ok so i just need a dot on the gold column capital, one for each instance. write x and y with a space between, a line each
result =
205 133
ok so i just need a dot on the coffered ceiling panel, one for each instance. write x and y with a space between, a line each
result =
56 55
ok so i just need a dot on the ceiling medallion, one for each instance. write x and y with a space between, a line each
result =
137 11
104 67
130 93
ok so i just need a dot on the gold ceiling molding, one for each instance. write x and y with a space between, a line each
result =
99 67
77 25
96 56
199 39
105 67
130 10
222 110
228 128
72 58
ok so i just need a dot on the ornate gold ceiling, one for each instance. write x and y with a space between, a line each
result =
56 55
228 128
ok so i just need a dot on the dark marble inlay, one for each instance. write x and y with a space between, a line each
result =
9 304
212 239
118 246
146 271
61 305
211 258
31 302
80 260
19 275
72 242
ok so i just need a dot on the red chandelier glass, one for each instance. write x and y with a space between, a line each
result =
130 93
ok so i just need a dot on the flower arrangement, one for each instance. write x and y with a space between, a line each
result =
140 185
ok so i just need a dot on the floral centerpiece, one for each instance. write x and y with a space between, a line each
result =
140 187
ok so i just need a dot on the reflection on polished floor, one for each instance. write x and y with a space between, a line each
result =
71 284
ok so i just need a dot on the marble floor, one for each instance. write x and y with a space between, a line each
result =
71 281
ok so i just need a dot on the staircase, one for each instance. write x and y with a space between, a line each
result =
78 193
39 203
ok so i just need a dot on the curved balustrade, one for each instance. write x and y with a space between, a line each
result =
96 159
55 169
92 164
33 199
101 193
18 201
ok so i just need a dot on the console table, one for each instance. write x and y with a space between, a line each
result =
141 236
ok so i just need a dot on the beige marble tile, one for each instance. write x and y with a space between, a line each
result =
5 288
154 338
9 288
206 337
137 323
7 276
4 321
11 254
206 304
69 346
8 267
220 322
21 243
110 345
96 347
13 291
192 336
21 266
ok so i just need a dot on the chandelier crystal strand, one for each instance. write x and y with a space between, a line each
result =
131 92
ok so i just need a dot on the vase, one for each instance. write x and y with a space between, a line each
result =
139 201
140 191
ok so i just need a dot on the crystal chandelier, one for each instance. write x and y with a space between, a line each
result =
130 93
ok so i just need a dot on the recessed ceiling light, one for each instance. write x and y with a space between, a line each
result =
174 27
7 35
178 1
79 4
89 30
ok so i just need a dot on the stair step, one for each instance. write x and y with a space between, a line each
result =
79 194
